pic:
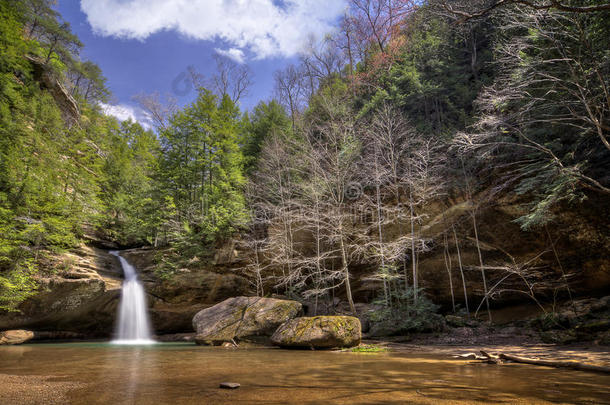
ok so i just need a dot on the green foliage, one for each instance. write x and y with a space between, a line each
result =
404 315
544 114
59 180
437 75
17 285
49 171
87 82
201 169
16 264
184 186
166 264
43 25
367 349
267 119
127 191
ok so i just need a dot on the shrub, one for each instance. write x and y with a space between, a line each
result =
403 316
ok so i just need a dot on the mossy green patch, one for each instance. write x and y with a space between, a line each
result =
367 349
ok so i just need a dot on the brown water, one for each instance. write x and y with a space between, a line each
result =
186 374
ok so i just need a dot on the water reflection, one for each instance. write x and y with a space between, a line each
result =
133 369
186 374
130 372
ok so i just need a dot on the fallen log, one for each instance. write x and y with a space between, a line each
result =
500 358
553 363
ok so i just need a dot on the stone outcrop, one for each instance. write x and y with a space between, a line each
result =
243 318
79 295
579 233
173 302
15 337
49 80
319 332
582 320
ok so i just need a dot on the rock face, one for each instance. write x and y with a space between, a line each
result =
15 337
582 320
174 302
45 76
320 332
243 318
80 296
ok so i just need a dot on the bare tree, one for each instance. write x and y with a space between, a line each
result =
403 166
159 111
377 21
385 158
345 41
322 59
424 184
473 211
479 8
322 280
257 264
335 153
275 198
447 257
231 78
459 255
290 89
552 77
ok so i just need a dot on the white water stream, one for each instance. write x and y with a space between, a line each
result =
134 325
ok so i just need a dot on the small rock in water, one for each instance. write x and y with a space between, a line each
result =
229 385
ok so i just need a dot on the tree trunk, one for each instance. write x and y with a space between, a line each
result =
348 287
554 363
476 237
457 246
448 266
381 252
413 257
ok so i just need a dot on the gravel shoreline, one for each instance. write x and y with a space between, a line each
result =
34 389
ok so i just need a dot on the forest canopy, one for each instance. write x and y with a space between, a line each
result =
407 105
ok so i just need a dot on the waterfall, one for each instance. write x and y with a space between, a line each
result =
133 326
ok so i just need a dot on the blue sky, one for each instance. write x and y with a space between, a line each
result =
145 45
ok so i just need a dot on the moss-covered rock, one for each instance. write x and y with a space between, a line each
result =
455 321
320 332
243 318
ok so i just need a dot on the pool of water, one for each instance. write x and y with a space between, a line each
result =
99 373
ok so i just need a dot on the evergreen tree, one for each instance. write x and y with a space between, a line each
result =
128 189
267 119
201 170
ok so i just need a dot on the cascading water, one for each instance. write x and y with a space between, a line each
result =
134 326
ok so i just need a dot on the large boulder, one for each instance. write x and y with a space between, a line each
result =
319 332
243 318
15 337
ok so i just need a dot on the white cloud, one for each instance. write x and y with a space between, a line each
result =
266 28
124 112
234 54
